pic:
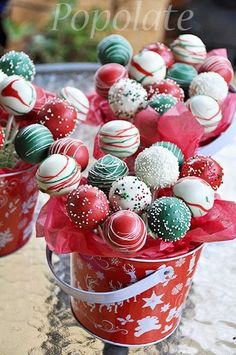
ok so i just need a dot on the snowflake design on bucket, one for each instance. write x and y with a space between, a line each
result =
100 275
124 321
176 289
5 238
28 231
191 264
27 205
180 262
146 325
12 207
165 308
22 224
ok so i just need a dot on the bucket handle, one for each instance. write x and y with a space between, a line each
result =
160 276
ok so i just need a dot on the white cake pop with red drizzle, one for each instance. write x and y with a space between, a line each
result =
87 207
206 110
196 193
147 67
58 175
125 231
77 99
119 138
17 95
59 117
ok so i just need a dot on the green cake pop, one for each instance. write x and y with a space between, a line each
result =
17 63
183 74
105 171
33 142
161 103
169 218
114 49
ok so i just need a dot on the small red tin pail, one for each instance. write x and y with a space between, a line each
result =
129 301
18 197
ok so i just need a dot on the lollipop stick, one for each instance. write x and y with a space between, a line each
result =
14 131
8 127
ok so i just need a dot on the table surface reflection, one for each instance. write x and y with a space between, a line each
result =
35 315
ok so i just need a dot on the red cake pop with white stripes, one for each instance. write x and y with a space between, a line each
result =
219 65
125 231
72 147
166 86
87 207
107 75
205 168
59 117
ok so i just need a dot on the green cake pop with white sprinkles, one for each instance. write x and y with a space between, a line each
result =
169 218
107 170
17 63
33 142
161 103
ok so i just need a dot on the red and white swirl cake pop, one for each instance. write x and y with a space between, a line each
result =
58 175
87 207
220 65
59 117
163 51
107 75
77 99
17 95
166 86
205 168
125 232
73 148
2 137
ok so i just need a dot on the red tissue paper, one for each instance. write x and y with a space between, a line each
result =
62 236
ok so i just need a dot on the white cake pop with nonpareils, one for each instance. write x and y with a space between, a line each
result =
157 167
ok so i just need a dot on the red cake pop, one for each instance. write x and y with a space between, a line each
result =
220 65
87 207
125 231
59 117
166 86
164 52
107 75
205 168
2 137
72 147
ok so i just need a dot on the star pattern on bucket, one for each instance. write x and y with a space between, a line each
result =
152 301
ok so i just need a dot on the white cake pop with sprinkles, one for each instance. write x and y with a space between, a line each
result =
210 84
157 167
126 97
130 193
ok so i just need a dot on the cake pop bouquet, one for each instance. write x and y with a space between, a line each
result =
166 207
181 91
32 123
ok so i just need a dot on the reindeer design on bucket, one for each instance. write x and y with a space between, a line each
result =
129 269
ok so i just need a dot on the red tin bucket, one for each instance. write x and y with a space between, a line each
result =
129 302
18 196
